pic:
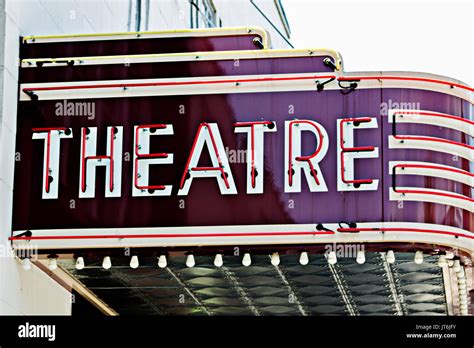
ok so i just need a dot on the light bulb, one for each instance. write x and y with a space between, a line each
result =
442 262
26 263
418 257
390 257
80 263
304 260
162 261
190 261
134 262
53 264
360 259
246 261
332 258
218 261
275 259
456 266
107 263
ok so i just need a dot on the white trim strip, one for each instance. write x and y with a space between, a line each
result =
183 57
246 235
431 144
180 86
152 35
432 196
433 170
432 118
226 84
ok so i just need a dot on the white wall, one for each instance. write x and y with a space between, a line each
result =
32 292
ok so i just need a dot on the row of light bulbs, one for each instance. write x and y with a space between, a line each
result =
275 261
462 287
246 260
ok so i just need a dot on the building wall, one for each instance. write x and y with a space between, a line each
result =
33 292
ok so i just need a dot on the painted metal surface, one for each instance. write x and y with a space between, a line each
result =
171 41
277 96
289 288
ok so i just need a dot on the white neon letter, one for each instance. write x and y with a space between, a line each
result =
346 153
90 161
52 138
208 134
255 151
142 159
294 161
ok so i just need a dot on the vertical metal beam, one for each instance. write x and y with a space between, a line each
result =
238 288
188 290
397 296
343 289
126 280
290 289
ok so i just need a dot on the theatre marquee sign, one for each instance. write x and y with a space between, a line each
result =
237 147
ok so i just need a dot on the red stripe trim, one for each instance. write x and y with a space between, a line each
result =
427 192
177 83
250 234
438 140
394 229
425 166
174 83
405 78
452 117
176 235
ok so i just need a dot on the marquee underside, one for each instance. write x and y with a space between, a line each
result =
318 288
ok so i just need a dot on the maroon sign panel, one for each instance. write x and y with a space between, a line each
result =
202 157
144 43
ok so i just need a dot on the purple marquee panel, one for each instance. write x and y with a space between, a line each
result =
205 206
230 67
422 211
80 47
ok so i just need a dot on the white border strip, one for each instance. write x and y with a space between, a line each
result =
431 144
452 173
184 57
153 34
180 86
258 84
443 120
439 197
238 235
